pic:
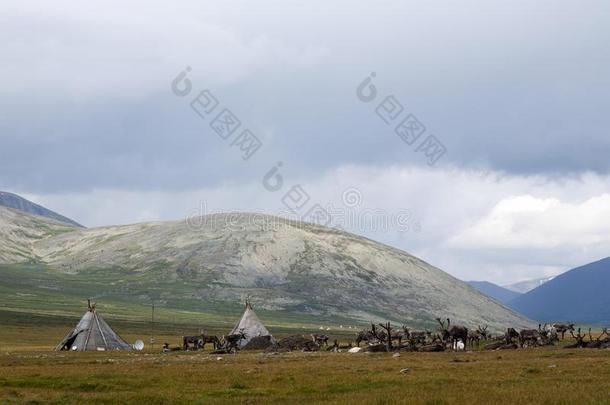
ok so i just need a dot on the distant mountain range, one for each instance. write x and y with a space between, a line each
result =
528 285
494 291
580 295
285 267
14 201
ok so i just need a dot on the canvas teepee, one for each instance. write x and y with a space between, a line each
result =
92 333
251 326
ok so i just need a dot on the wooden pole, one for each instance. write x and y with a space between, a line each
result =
152 327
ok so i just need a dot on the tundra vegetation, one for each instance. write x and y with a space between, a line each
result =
30 372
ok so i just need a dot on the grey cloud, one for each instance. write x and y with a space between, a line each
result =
520 88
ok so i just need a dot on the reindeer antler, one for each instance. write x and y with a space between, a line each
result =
374 331
579 336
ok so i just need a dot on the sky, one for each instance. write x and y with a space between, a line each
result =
507 178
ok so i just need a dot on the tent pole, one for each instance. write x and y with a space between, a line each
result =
152 327
101 331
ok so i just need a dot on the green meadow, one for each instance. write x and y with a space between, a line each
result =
38 307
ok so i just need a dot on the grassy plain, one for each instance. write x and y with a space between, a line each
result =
30 372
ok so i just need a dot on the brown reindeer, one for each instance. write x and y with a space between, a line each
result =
477 335
388 334
529 337
600 342
484 332
594 343
364 336
510 335
405 334
580 340
336 347
370 336
474 338
320 339
231 342
167 348
562 328
196 341
416 338
453 334
210 339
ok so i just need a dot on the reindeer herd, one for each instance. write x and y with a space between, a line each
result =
383 337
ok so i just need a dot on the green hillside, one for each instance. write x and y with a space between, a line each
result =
292 271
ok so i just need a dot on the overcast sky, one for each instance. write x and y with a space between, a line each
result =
517 92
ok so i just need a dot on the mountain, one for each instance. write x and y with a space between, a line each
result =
283 266
14 201
579 295
523 287
19 231
494 291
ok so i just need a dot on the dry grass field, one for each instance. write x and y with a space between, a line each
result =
30 372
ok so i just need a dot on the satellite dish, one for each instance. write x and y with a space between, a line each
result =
138 345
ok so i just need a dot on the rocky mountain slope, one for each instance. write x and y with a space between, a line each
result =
19 232
10 200
281 265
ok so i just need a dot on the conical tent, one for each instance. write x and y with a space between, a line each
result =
92 333
251 326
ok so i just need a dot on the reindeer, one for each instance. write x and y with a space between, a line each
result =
433 337
477 335
320 339
210 339
370 336
453 334
580 340
199 341
529 337
484 332
600 343
510 335
231 342
416 337
474 338
196 341
384 337
548 334
336 347
562 328
168 349
364 336
597 342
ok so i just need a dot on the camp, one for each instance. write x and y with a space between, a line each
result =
251 327
92 333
